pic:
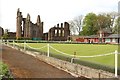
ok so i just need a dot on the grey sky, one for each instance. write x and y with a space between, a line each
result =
51 11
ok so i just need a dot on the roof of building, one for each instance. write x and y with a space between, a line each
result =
110 36
113 36
91 36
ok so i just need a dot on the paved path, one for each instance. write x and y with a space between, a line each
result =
26 66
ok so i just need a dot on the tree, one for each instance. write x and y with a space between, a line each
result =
72 28
106 20
76 24
5 36
93 23
103 21
116 28
113 16
89 24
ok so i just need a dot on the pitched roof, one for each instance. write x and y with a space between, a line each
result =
91 36
114 36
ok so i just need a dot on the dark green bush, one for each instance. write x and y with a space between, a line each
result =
4 72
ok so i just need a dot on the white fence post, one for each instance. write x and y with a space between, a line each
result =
24 45
116 63
73 57
13 43
7 42
48 54
72 60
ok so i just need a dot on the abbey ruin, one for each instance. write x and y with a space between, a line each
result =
26 29
59 33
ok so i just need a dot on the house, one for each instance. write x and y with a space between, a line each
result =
12 35
113 38
103 36
91 39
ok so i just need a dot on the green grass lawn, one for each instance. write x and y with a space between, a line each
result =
83 50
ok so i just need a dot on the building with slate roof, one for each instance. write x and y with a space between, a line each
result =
103 36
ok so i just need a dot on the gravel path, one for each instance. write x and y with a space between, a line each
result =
26 66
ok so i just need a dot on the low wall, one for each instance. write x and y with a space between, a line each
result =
75 69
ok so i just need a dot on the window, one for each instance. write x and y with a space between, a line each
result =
62 32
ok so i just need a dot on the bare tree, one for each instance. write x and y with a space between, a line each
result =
72 28
76 24
113 16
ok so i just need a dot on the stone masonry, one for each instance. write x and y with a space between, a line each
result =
27 29
59 33
1 31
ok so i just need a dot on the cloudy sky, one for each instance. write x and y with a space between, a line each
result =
51 11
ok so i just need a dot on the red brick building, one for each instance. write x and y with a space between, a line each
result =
103 36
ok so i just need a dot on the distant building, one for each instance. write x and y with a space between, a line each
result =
12 35
1 31
103 36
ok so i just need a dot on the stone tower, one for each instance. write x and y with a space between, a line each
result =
66 30
27 27
18 24
40 27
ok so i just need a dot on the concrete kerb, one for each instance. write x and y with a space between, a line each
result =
74 69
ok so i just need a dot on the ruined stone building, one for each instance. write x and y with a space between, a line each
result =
59 33
1 31
26 29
